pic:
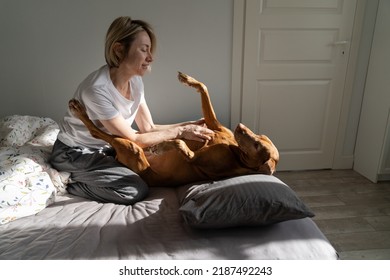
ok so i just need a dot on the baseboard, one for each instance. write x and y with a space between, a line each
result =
383 177
343 162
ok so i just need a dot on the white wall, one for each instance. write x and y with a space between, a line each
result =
48 46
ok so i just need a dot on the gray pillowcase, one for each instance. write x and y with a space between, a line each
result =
250 200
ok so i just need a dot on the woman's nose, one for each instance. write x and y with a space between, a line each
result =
149 58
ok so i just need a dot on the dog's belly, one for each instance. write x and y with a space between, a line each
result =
214 160
162 163
172 167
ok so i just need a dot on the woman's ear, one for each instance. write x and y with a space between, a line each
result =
118 50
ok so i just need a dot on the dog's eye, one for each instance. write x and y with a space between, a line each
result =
257 145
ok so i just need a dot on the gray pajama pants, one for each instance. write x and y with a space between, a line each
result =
97 175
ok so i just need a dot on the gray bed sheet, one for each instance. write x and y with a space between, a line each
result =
75 228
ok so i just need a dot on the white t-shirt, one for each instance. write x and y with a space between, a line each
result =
102 102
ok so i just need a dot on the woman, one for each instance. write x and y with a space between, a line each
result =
114 98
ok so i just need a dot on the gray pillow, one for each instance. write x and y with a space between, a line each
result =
250 200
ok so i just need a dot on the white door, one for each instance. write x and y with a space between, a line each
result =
372 153
294 67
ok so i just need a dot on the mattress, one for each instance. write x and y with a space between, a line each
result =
75 228
39 220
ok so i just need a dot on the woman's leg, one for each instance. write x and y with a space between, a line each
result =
98 176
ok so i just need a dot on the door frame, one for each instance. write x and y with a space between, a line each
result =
347 131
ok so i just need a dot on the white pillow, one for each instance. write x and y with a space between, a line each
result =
17 130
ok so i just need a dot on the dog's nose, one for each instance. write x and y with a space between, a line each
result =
239 128
242 129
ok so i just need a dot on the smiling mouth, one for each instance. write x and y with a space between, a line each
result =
147 67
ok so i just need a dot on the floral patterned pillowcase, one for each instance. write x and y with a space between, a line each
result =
18 130
27 181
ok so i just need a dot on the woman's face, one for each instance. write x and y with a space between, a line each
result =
139 57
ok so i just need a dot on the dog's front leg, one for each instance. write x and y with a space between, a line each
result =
207 108
172 145
185 151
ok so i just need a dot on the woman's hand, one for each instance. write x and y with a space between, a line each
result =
196 131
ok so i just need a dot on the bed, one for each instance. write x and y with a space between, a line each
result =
246 217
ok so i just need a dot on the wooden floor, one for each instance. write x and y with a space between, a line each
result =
352 212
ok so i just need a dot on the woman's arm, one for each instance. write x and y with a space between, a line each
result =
151 134
145 122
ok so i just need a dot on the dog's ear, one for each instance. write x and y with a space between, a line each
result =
268 167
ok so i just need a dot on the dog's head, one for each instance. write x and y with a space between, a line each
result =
257 152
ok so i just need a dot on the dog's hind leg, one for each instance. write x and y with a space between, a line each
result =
207 108
127 152
79 111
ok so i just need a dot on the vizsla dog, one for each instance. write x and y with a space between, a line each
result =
178 162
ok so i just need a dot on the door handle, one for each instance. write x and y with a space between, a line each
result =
337 43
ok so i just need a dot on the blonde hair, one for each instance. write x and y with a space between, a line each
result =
123 30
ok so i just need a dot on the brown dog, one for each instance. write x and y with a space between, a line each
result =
177 162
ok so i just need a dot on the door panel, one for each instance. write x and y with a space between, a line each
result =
295 62
286 96
296 46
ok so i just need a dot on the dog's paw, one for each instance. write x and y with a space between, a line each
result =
182 77
183 148
77 108
190 81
